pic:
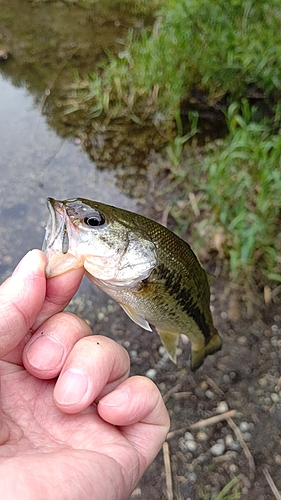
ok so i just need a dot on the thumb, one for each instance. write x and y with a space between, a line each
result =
21 298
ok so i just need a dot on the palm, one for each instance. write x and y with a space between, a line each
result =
41 434
35 419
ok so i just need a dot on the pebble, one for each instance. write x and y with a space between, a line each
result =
263 382
275 397
228 439
191 446
222 407
133 354
201 458
151 373
209 394
226 378
242 340
247 436
162 350
218 449
244 426
202 436
192 477
233 468
184 339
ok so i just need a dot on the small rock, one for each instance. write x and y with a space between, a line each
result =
275 397
222 407
191 446
229 440
218 449
202 436
192 477
209 394
136 493
188 436
151 373
247 436
184 339
202 458
162 350
242 340
182 445
244 426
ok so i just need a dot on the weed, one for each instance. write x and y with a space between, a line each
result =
242 188
231 491
219 47
222 48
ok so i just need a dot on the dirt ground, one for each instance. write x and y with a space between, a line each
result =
244 377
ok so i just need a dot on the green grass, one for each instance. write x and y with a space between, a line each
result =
222 49
231 491
242 186
217 46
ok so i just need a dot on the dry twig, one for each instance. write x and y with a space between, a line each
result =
271 484
184 394
176 432
243 445
213 420
214 386
168 472
171 392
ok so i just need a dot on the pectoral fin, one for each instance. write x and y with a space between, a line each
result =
137 318
170 342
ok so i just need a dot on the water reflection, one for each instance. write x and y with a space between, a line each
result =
36 163
45 43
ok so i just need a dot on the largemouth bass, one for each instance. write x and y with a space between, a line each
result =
152 273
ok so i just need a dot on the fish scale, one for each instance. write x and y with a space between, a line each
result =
152 273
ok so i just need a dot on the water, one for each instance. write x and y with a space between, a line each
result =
47 42
36 163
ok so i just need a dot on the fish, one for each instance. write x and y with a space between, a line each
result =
151 272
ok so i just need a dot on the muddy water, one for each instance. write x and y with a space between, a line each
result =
36 163
45 43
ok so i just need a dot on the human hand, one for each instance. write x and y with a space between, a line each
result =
91 433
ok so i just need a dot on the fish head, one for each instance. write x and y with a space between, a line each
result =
99 237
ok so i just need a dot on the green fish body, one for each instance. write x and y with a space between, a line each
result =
151 272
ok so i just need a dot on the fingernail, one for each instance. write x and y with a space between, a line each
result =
31 261
71 387
45 353
116 398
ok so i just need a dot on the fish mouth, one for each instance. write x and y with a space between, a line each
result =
56 235
56 243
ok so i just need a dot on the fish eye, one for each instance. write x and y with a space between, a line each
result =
94 220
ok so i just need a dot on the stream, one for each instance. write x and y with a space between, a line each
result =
44 44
